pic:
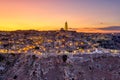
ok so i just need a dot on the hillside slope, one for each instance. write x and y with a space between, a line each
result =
71 67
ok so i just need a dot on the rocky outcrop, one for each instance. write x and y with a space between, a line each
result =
59 67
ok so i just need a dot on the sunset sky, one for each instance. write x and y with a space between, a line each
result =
81 15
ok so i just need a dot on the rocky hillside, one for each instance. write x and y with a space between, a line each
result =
60 67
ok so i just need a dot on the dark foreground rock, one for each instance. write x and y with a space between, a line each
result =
73 67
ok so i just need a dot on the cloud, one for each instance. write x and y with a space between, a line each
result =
110 28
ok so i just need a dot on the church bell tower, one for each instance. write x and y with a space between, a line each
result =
66 26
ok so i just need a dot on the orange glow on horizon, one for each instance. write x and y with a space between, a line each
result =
51 15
